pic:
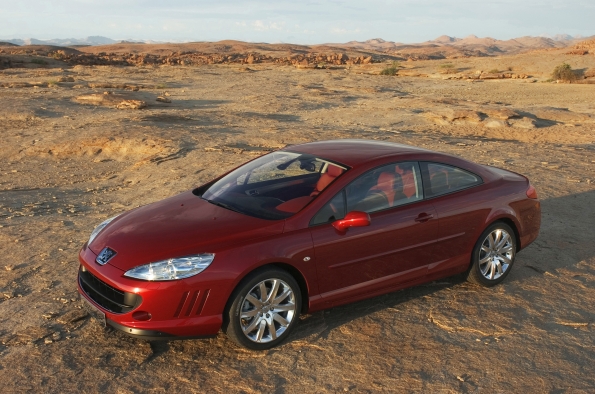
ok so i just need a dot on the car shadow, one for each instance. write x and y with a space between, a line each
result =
566 238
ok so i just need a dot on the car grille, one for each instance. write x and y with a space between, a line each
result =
110 298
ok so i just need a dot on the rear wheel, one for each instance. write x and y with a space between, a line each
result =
493 255
264 309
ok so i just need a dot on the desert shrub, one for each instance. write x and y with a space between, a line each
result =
161 86
494 71
391 70
38 61
52 83
564 72
448 68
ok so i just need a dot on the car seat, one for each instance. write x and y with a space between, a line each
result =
391 184
406 172
296 204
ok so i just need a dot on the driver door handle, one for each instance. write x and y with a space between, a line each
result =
424 217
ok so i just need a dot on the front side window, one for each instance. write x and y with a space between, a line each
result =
274 186
382 188
443 179
385 187
333 210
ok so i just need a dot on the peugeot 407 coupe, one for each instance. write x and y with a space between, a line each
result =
302 229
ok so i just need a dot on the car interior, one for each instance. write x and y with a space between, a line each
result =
383 188
282 187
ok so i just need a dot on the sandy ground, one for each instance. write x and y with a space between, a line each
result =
66 165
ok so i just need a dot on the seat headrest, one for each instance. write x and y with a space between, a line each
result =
403 169
386 177
334 171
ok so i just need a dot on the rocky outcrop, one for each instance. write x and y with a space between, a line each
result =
118 101
190 58
584 47
480 75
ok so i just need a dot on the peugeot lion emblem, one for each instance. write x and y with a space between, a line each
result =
105 255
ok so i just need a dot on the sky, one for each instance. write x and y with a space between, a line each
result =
300 21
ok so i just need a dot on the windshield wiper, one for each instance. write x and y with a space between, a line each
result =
223 205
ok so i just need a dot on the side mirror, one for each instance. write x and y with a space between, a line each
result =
352 219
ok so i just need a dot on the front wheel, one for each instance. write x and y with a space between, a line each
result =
264 309
493 255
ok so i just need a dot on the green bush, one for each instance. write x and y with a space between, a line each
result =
392 70
564 72
448 68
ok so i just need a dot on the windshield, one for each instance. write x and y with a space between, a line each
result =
274 186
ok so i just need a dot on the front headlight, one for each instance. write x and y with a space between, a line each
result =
172 269
98 229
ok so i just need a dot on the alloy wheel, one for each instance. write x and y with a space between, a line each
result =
496 254
267 310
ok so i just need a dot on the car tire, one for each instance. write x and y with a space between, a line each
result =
263 309
493 255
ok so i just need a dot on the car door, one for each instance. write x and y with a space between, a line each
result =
396 247
461 213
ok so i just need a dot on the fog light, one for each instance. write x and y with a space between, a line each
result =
141 315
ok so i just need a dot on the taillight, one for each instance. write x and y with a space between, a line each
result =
531 192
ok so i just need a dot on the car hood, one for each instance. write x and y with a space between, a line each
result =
178 226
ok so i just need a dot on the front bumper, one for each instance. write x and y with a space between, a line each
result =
178 309
151 335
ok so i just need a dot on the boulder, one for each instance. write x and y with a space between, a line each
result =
501 113
131 104
119 101
494 123
523 123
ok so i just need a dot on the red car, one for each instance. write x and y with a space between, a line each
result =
299 230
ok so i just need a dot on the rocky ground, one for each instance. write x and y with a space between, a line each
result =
70 158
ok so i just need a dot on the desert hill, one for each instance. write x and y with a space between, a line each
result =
321 55
453 47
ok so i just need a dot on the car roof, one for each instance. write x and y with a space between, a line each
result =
353 152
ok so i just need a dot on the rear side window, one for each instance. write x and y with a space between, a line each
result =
442 179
